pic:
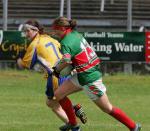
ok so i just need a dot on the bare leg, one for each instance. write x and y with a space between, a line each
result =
66 89
57 109
104 104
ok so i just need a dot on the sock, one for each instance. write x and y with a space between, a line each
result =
123 118
68 108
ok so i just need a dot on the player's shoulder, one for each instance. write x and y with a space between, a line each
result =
44 37
47 40
71 38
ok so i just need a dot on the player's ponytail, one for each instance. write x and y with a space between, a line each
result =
64 22
73 23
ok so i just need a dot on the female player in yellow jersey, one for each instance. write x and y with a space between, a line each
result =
45 50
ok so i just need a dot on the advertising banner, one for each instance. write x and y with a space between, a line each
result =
11 44
109 46
120 46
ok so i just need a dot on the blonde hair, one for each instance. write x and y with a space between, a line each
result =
64 22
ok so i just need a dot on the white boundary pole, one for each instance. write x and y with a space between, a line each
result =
62 8
102 5
128 66
129 17
5 14
69 9
1 36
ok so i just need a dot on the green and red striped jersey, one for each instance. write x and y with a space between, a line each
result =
77 51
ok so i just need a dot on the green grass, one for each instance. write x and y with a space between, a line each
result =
22 103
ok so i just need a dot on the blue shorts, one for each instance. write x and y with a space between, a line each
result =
52 84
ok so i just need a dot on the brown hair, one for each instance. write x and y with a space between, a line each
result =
36 24
64 22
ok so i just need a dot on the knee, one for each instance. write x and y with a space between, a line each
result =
57 96
107 109
50 103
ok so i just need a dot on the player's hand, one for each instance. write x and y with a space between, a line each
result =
19 63
55 72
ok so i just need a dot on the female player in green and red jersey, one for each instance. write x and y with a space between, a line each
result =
76 51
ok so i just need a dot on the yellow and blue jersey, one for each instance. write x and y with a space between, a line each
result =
46 51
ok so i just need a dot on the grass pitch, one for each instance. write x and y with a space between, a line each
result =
23 108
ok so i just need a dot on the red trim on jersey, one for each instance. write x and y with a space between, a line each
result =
94 63
66 56
82 57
